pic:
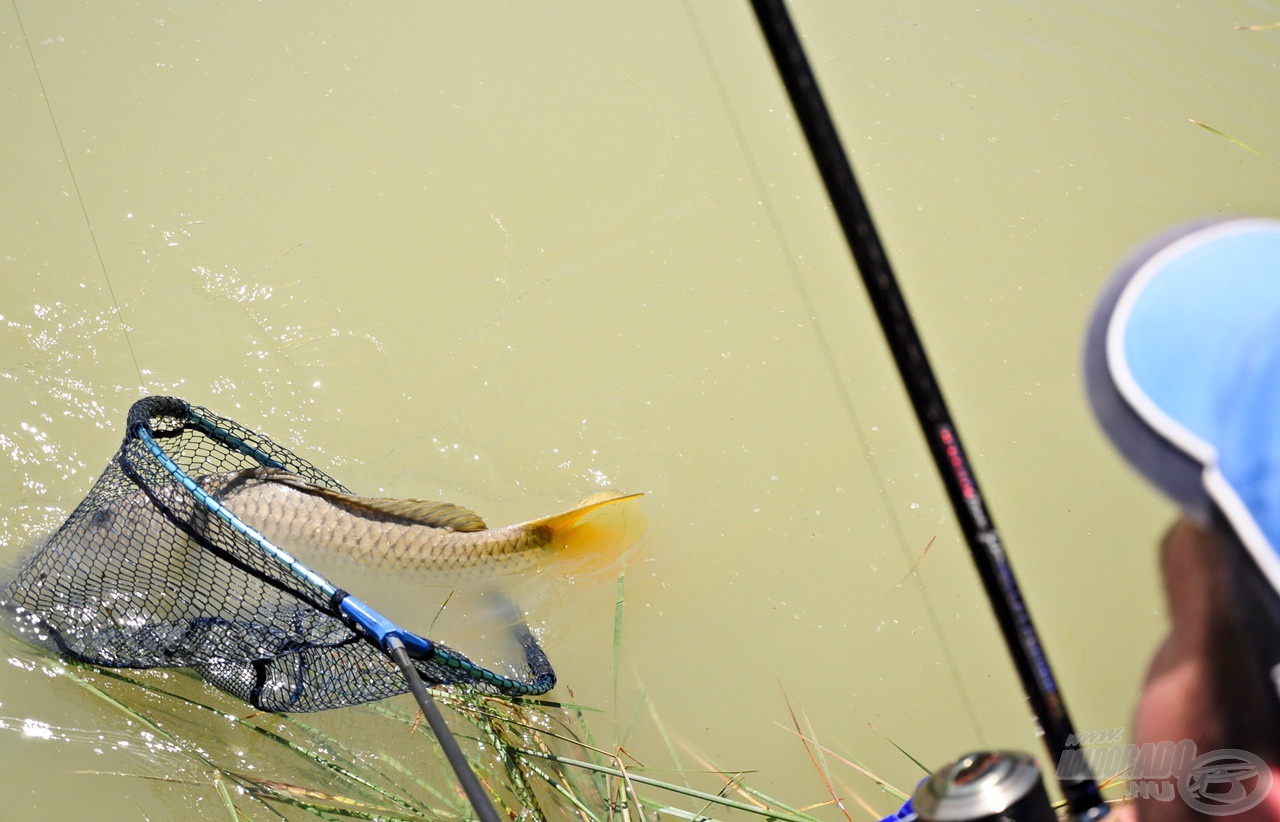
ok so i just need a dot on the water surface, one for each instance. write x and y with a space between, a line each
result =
506 256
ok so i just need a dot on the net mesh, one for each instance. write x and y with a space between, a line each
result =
142 575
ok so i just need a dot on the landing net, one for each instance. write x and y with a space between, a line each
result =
150 572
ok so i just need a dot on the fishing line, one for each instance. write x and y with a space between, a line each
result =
829 359
1083 797
75 186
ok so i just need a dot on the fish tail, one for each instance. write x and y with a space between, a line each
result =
594 535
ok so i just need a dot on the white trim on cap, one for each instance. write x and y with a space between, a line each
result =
1246 527
1215 484
1126 384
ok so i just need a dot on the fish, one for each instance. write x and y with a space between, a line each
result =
413 535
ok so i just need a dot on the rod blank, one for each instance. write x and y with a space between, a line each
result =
985 546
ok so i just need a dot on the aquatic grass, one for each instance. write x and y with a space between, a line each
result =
227 801
915 566
538 758
779 811
861 769
431 626
350 770
320 749
531 758
527 735
618 607
1218 132
661 728
762 802
1228 138
814 750
341 763
924 769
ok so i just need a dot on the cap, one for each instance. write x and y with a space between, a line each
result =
1182 367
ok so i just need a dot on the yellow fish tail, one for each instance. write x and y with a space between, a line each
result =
594 535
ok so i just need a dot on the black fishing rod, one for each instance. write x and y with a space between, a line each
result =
1079 787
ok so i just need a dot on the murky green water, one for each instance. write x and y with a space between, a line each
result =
505 256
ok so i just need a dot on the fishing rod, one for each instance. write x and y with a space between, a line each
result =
1078 785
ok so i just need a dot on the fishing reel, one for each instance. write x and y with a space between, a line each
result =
985 786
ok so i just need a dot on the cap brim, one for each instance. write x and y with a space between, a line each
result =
1182 366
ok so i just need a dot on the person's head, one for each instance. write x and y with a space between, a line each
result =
1182 365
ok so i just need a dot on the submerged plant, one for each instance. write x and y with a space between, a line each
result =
531 755
537 759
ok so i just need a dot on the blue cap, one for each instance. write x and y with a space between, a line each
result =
1182 366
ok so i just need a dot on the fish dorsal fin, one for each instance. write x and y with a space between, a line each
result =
413 511
410 511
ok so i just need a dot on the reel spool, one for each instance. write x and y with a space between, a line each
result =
985 786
